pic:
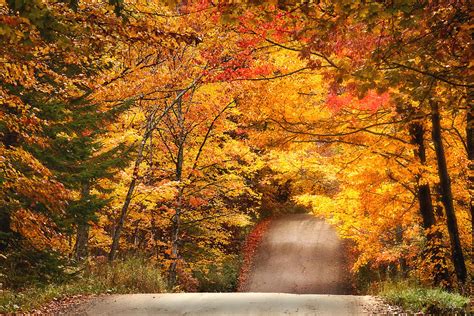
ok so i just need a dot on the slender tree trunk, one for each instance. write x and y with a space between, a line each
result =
470 149
447 196
9 140
82 234
5 228
131 189
150 126
433 251
176 220
175 240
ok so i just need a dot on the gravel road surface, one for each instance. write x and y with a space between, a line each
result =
299 269
227 304
300 254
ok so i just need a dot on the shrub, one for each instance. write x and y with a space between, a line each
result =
220 277
186 280
133 275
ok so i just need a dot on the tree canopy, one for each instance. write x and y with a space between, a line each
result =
167 128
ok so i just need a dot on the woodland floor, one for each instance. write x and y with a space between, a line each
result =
300 264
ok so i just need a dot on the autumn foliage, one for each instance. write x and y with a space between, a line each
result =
249 250
166 129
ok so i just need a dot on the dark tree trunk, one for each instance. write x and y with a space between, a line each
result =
176 223
447 196
433 251
81 248
9 140
424 193
470 149
176 220
5 228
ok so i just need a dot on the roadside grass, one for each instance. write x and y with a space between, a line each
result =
134 275
415 298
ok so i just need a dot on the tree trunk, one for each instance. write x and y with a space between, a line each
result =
433 251
150 126
131 189
82 234
177 215
5 228
175 240
470 149
447 196
175 244
9 140
424 193
81 249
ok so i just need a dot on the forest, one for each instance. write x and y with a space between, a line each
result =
155 135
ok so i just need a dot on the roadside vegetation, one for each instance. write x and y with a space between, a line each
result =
415 298
133 275
402 288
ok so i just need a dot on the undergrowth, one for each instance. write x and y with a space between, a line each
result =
220 277
134 275
415 298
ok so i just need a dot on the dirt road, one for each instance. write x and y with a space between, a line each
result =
300 254
204 304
